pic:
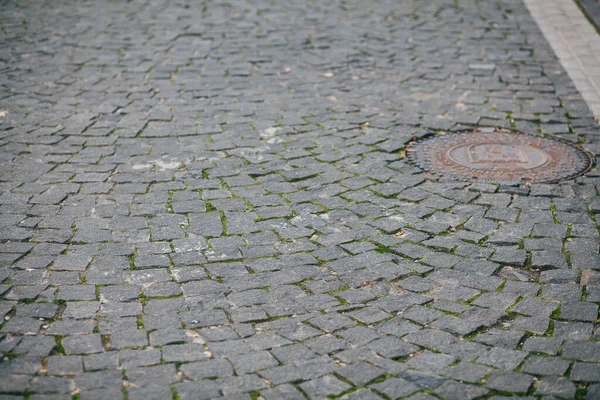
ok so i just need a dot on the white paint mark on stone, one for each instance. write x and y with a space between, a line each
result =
270 132
141 166
160 165
196 338
274 140
163 165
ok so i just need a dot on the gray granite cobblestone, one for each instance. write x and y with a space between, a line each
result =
211 200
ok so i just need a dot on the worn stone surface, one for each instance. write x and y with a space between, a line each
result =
210 199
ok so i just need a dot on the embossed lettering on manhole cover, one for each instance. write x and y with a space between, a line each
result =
498 155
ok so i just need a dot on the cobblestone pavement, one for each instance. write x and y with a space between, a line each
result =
209 199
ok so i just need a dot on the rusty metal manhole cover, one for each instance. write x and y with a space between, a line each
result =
498 155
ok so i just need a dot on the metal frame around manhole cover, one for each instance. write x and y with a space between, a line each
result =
525 157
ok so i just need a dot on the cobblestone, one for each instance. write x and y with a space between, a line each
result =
210 200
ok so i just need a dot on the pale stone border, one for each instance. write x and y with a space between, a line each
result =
575 42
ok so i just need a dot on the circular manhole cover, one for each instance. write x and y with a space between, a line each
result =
498 155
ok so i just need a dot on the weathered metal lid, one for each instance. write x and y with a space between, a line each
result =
499 155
